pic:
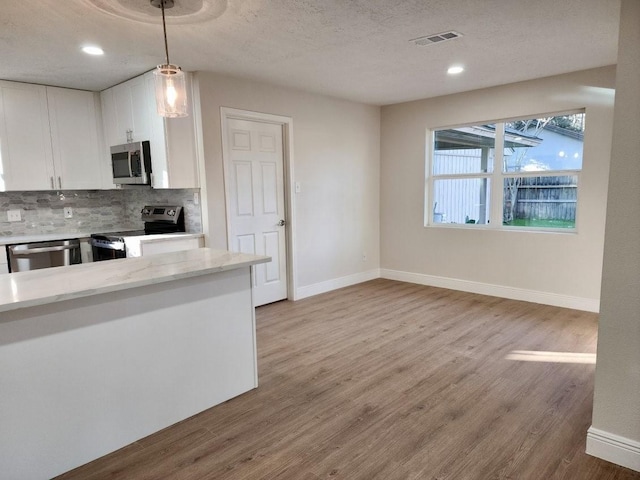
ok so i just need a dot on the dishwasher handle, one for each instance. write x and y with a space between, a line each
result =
33 251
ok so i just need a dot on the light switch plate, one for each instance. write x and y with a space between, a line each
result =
298 188
13 216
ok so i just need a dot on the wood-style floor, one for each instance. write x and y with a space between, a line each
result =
389 380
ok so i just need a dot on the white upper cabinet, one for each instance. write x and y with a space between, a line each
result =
25 138
173 144
129 114
125 112
48 139
75 140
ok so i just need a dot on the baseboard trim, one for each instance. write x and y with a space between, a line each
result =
334 284
613 448
535 296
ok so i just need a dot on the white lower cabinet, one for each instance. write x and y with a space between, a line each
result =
162 243
49 139
172 245
86 253
4 265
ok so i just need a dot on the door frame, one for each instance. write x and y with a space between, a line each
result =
227 113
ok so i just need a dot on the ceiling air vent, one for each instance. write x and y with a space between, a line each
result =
437 38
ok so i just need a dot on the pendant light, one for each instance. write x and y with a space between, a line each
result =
171 90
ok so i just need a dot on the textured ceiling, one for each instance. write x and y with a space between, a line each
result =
354 49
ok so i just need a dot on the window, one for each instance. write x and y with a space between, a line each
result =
524 172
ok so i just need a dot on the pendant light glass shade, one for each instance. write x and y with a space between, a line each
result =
171 91
171 88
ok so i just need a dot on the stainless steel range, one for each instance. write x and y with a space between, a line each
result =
158 219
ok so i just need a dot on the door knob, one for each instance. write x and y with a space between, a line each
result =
282 223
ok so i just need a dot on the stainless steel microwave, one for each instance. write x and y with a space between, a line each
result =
131 163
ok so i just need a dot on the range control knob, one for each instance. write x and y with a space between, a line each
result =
146 211
171 213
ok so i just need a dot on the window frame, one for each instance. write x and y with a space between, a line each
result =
496 176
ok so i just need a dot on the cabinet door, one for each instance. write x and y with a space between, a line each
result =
109 120
140 109
25 138
74 138
123 113
125 108
159 171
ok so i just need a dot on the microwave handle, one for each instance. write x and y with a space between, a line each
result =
129 155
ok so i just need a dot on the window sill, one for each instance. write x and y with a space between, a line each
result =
501 228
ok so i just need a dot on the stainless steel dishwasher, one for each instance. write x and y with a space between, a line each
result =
36 255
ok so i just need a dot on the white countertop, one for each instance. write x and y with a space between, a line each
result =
46 237
48 285
42 237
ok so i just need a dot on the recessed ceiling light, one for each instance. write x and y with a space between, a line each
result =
454 70
92 50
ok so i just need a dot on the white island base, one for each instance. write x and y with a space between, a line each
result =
83 377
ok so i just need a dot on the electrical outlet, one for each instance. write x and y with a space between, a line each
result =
68 212
13 216
196 198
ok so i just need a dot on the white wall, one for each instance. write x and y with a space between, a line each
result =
615 432
336 160
560 269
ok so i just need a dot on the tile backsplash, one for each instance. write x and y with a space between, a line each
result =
93 210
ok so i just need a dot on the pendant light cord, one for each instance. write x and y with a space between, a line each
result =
164 29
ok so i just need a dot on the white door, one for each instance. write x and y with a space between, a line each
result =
255 169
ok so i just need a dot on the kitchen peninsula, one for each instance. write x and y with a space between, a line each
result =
96 356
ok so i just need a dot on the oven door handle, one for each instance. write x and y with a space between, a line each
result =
34 251
107 245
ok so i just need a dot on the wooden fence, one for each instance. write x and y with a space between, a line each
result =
547 198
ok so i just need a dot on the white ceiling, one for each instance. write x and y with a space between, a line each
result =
354 49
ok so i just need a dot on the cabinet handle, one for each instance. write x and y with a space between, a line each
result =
59 183
53 185
33 251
